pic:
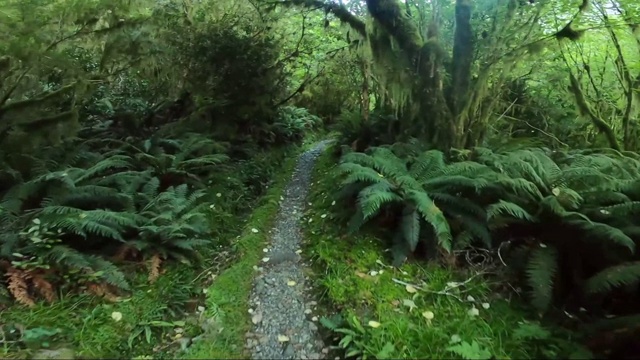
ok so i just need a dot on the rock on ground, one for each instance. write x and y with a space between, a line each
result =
280 310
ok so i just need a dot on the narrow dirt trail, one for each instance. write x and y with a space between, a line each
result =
282 313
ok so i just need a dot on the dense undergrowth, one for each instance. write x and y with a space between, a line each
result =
559 225
125 184
469 209
150 299
418 310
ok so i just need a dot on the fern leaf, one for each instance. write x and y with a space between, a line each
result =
541 271
109 272
356 221
514 210
359 173
410 227
372 201
615 276
427 164
604 231
434 216
113 162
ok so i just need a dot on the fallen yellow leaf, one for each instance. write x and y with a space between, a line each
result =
410 289
428 315
361 274
374 324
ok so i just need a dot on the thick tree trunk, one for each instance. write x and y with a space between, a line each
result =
429 114
365 102
432 113
461 72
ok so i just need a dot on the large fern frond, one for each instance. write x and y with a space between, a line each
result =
508 208
541 270
615 276
434 216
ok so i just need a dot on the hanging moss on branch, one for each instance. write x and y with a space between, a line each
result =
586 109
445 98
29 122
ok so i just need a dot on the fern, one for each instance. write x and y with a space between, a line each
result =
182 161
174 224
410 227
470 351
510 209
616 276
424 186
541 270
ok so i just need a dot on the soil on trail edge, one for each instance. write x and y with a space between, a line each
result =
284 324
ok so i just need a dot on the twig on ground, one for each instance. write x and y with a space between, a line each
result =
447 290
405 283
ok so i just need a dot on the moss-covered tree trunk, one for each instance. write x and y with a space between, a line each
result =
428 106
432 112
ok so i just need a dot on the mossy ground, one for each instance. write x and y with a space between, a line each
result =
153 322
412 324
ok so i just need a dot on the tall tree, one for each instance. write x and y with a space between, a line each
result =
444 78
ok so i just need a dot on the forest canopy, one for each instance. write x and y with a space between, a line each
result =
145 147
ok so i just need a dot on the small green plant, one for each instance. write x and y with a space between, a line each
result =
292 123
470 350
179 161
39 337
147 328
353 334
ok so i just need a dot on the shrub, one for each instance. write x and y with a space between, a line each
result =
118 203
568 216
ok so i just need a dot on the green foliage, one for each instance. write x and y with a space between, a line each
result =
112 202
418 187
360 133
175 223
560 208
230 69
379 317
572 208
292 124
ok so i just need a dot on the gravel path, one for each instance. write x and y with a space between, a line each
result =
285 326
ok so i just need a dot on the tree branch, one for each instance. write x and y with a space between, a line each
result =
338 10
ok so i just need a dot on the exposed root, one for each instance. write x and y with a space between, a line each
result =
44 288
103 291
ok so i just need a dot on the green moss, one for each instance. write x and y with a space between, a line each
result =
228 297
346 262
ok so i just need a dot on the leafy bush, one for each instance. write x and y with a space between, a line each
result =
292 123
229 68
360 134
584 205
557 210
118 203
419 189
